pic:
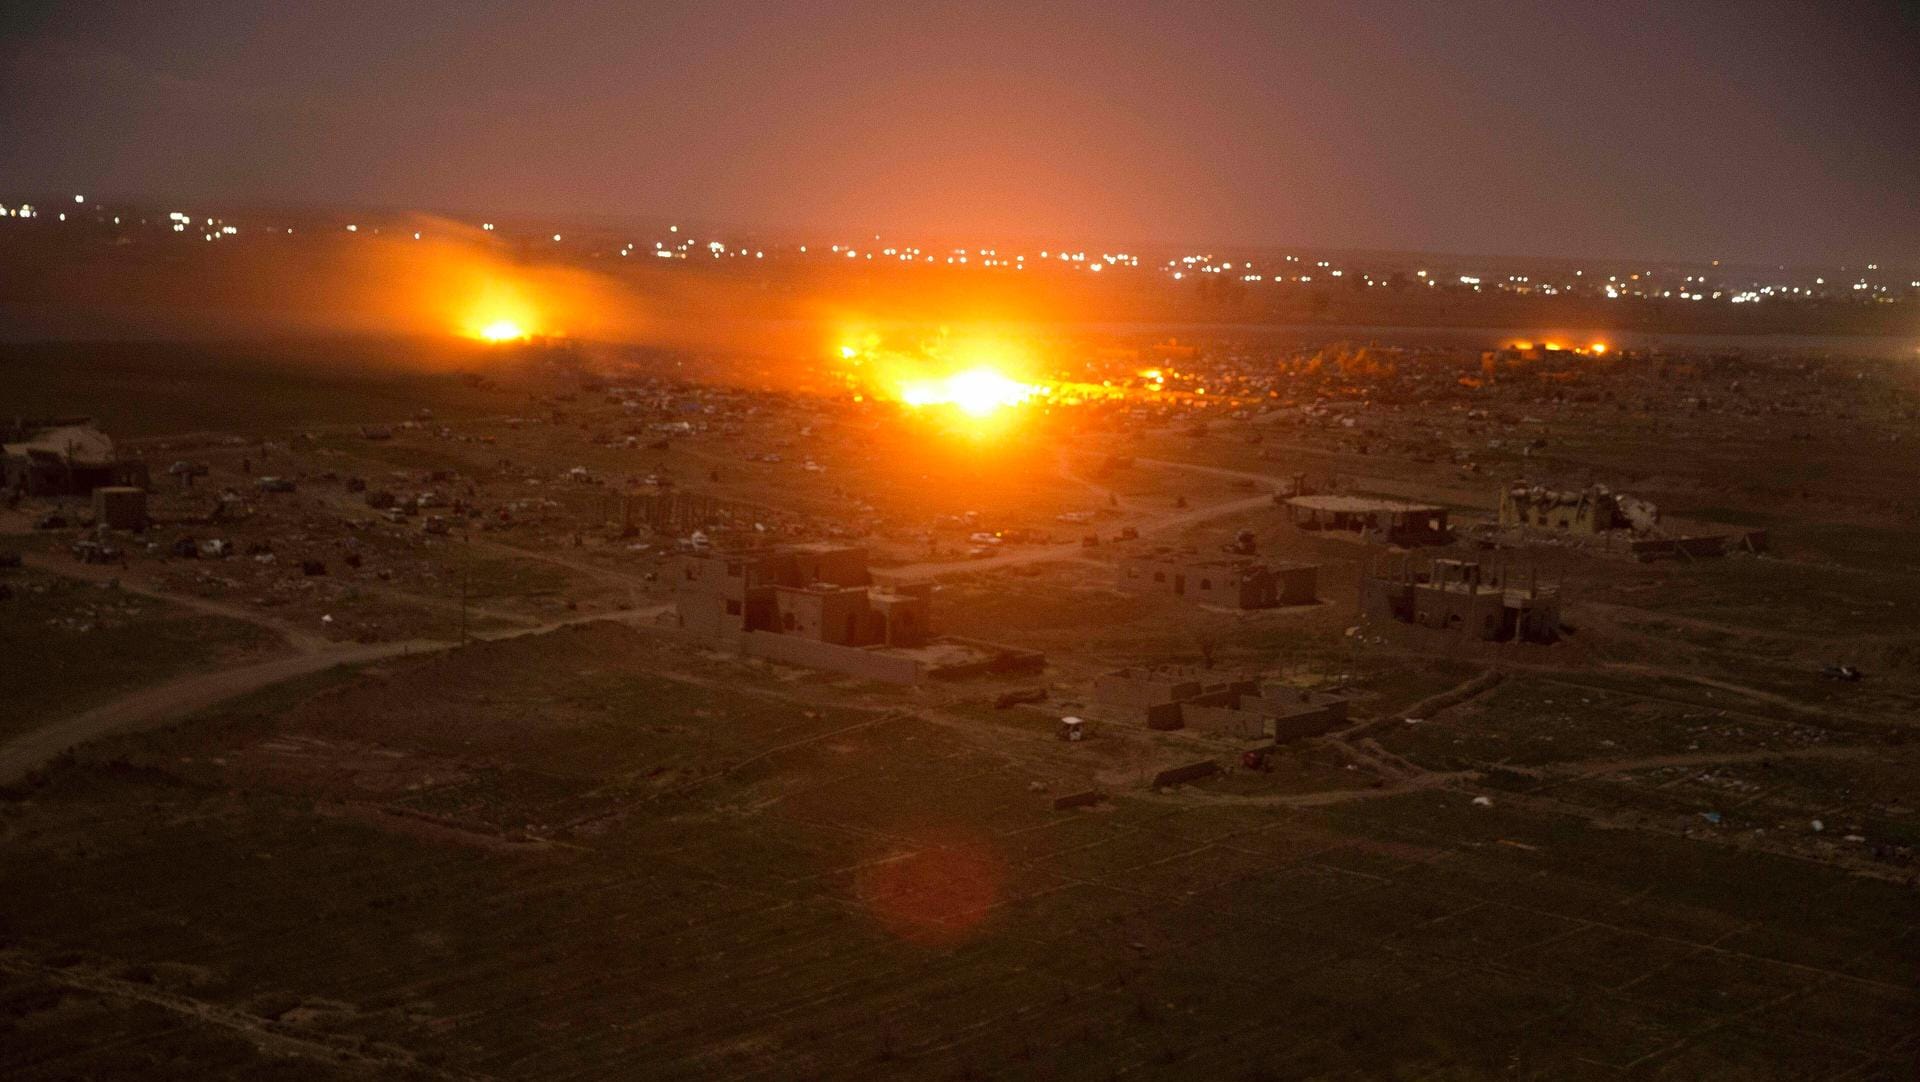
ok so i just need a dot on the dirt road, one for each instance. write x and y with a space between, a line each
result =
155 706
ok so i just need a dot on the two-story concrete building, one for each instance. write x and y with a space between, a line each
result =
1458 595
819 592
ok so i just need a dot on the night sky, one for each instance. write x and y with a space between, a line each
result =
1747 131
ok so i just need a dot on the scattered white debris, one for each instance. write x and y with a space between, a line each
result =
1482 802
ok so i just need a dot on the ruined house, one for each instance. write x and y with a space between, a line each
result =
62 456
1175 697
1374 518
815 605
1591 510
1614 523
1458 595
1235 582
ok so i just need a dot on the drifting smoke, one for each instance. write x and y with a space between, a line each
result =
451 282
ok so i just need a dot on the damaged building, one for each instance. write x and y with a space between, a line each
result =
1458 595
62 456
1609 522
1234 582
818 592
1176 697
1591 510
816 605
1374 518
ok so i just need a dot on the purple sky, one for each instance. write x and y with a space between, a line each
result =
1747 131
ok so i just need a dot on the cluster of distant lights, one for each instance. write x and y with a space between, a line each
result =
1291 269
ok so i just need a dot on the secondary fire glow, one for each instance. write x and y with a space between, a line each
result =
1595 349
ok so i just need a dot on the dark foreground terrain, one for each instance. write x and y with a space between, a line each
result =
577 855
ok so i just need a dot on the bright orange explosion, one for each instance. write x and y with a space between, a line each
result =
970 374
502 330
979 375
976 392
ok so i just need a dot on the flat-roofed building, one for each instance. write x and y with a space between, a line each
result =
62 456
1374 518
1234 582
1224 704
1458 595
815 591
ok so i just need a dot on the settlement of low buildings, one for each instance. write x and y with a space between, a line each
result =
1457 595
1175 697
1374 518
1235 582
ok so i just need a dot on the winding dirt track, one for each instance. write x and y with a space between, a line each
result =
155 706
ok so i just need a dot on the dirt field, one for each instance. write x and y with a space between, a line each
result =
545 857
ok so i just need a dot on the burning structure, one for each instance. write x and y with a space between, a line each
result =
816 605
1236 582
1395 522
1457 595
1174 697
62 456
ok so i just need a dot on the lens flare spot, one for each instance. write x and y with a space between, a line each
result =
937 895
